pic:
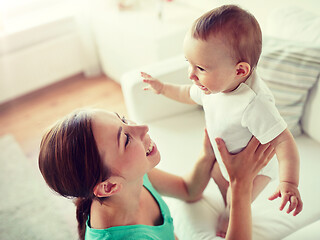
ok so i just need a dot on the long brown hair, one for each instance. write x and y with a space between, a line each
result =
70 163
239 28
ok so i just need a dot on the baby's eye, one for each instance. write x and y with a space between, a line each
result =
201 69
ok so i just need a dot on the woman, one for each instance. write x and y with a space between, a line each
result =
107 164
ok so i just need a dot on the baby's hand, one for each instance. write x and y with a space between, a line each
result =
289 193
154 84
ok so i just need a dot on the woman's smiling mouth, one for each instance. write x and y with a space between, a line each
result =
151 149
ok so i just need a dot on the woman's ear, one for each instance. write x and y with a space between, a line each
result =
243 69
106 188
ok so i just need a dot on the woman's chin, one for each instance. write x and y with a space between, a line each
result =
157 159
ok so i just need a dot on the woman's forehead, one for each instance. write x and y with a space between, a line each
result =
100 115
105 130
105 119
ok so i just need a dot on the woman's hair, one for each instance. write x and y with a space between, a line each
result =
70 163
239 29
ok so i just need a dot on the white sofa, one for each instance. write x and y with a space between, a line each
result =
178 132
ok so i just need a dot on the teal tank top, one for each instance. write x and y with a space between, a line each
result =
134 232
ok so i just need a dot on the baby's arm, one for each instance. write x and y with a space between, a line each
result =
289 165
180 93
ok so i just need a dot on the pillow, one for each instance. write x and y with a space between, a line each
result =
290 70
294 23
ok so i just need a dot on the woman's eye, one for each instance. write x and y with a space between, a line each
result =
124 120
127 140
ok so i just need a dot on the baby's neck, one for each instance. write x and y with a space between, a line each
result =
243 80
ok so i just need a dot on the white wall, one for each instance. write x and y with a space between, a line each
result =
259 8
37 49
39 65
36 57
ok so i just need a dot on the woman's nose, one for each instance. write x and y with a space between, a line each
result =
141 130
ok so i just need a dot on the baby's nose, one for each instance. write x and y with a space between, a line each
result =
193 77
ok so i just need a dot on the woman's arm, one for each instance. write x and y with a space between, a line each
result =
242 169
240 223
188 188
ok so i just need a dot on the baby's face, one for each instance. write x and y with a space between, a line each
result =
211 66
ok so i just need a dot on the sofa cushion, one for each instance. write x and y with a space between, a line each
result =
299 25
294 23
199 220
290 69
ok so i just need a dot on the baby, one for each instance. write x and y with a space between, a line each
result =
223 48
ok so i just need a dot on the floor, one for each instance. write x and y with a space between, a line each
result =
27 117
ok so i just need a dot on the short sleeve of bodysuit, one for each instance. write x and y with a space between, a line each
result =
196 94
263 119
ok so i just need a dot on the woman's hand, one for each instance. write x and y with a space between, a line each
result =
242 169
245 165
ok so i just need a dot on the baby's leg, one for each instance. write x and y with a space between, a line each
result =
222 183
259 183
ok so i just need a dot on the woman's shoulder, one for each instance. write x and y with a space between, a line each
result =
139 231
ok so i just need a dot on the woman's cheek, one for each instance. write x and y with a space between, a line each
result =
137 151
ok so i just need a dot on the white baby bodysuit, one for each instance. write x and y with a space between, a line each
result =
236 116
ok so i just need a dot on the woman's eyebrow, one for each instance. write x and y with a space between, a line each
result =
117 115
118 136
119 131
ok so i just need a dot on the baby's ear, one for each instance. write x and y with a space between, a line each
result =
243 69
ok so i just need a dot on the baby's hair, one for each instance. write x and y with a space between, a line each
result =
239 29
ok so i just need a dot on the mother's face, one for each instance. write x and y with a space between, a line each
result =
124 147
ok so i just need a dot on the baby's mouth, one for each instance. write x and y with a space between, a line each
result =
203 88
150 149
